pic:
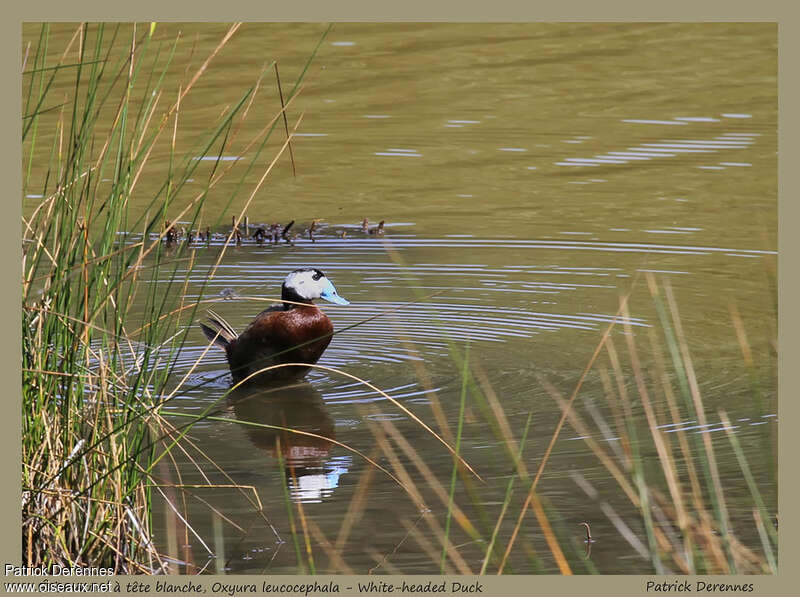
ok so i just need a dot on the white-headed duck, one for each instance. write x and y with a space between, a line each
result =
296 331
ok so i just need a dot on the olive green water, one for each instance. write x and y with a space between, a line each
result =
529 173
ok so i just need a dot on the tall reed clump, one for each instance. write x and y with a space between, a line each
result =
674 480
94 369
664 448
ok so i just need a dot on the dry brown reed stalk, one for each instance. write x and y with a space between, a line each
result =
425 379
582 430
240 125
186 487
747 355
654 535
557 431
335 561
185 522
184 290
617 439
136 567
288 503
254 501
188 374
741 335
667 464
697 496
510 443
391 455
683 443
506 502
401 473
694 388
355 508
285 122
753 373
431 480
549 536
169 433
261 133
622 389
215 266
185 90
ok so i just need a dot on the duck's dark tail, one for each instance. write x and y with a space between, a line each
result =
218 331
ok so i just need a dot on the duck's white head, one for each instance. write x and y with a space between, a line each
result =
309 284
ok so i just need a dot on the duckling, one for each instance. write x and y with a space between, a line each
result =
237 234
171 235
274 232
312 228
259 234
378 230
296 331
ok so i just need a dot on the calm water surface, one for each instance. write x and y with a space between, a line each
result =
528 176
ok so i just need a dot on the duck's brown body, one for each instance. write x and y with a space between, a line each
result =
296 331
278 335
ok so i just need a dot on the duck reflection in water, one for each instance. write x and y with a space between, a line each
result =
312 473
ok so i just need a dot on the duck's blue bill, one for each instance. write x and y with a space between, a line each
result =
329 294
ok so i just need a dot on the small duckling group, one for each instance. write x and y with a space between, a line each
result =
261 233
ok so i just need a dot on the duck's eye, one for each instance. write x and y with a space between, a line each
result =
316 276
